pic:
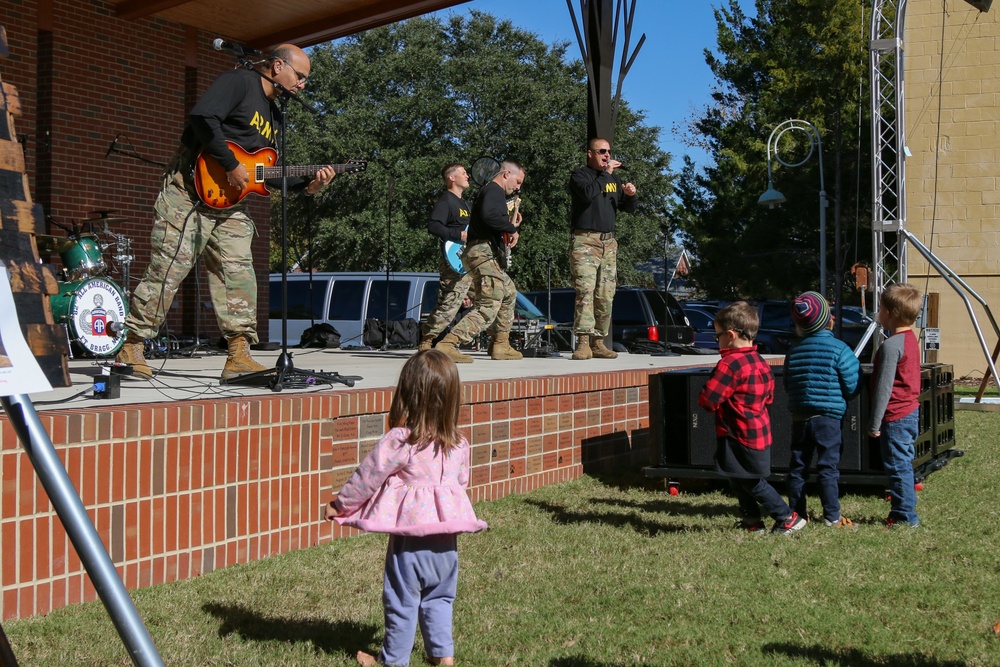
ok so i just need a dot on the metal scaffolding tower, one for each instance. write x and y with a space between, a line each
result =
888 144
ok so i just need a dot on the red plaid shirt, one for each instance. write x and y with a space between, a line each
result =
738 392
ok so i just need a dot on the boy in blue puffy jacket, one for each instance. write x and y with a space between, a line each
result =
821 375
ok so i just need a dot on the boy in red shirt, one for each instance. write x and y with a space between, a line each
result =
895 403
738 392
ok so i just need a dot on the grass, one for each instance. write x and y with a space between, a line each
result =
603 572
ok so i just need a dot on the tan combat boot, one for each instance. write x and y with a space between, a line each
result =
501 350
131 354
449 345
239 361
426 343
599 351
583 350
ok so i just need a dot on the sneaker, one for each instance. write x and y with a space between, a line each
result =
891 523
751 526
842 522
789 525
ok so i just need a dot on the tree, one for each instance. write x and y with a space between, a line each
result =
413 96
796 59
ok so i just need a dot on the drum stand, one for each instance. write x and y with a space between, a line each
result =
284 374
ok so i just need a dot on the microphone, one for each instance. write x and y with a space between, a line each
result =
220 44
111 147
621 167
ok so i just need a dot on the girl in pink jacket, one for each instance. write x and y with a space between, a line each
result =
412 486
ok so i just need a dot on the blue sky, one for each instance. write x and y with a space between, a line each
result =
669 80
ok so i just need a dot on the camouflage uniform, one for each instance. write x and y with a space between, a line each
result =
451 291
495 295
183 230
594 267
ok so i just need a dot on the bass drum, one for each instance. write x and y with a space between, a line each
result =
93 311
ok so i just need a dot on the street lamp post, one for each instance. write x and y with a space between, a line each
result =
772 197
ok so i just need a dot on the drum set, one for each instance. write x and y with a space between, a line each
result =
90 304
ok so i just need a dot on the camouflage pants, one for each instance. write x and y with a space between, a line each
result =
451 291
495 295
593 264
183 232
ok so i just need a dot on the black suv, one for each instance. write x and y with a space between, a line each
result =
641 321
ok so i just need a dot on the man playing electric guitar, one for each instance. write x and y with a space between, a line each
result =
449 221
240 107
485 259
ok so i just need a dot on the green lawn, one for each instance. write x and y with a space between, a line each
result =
605 572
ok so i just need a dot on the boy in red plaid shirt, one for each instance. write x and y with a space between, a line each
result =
738 392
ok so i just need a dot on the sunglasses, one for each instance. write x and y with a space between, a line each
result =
603 151
722 333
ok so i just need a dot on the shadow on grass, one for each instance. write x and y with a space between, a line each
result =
642 526
707 509
345 637
849 657
576 661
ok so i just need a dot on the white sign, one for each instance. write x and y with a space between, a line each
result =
19 370
932 339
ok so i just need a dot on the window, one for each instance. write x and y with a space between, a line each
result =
627 309
429 301
345 302
399 292
305 301
777 316
674 309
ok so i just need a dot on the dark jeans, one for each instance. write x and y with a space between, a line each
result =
822 436
757 496
897 440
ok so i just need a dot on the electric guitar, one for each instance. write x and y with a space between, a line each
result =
214 190
452 250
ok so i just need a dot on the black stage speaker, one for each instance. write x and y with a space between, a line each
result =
682 434
981 5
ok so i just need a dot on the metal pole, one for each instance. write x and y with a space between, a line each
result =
81 531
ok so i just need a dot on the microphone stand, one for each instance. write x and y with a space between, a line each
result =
388 249
284 374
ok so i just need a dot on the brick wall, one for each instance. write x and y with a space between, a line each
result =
176 490
84 77
953 202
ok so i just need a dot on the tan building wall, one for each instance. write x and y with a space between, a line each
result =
952 88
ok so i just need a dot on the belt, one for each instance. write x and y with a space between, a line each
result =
603 236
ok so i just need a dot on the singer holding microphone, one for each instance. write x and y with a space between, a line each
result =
240 107
597 196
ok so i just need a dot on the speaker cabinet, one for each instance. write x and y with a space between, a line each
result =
682 434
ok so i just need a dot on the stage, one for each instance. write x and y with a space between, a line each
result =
182 475
183 377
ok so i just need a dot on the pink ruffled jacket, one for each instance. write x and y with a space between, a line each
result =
405 490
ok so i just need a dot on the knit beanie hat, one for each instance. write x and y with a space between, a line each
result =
810 312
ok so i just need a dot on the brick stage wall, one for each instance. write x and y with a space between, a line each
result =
83 77
178 490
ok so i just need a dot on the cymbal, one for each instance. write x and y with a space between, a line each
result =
112 220
49 244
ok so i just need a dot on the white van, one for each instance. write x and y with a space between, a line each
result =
346 300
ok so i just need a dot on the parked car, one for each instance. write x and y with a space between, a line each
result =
345 300
701 316
777 330
641 320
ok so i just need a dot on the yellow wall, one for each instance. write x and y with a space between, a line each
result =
952 88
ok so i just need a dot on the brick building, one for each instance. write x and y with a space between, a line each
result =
953 202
